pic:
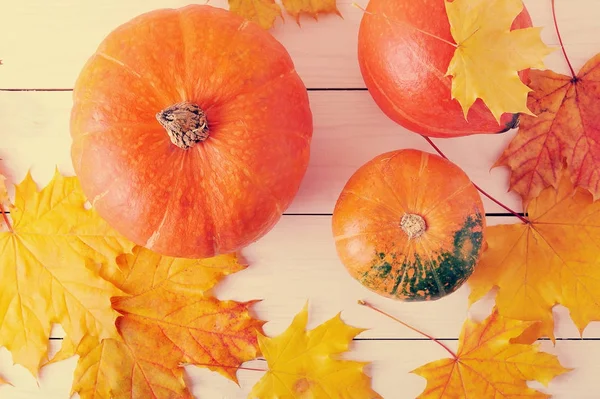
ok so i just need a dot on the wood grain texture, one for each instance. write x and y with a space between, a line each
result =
349 131
297 262
45 43
391 363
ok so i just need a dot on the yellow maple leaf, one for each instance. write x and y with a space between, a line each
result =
488 365
67 350
489 55
551 260
310 7
169 319
263 12
144 271
301 363
44 269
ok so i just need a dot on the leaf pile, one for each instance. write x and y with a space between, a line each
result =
552 260
488 365
566 127
135 318
167 320
554 161
265 12
301 363
487 47
167 316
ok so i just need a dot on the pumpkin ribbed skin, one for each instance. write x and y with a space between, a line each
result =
221 194
375 248
405 69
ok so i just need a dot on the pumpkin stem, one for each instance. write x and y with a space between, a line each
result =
413 225
185 124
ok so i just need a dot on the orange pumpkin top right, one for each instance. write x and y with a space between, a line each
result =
404 69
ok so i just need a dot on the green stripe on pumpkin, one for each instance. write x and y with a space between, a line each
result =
424 280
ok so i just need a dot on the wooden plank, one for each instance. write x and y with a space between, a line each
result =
391 363
68 32
44 44
296 262
349 131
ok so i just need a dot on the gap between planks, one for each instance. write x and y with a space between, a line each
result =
67 90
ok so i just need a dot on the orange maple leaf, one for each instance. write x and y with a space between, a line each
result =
167 320
551 260
489 365
265 12
566 127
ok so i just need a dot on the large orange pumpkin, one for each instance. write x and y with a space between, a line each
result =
409 225
404 69
191 131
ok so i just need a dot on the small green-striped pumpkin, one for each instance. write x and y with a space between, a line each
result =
409 225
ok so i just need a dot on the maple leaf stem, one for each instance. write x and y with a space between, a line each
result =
409 25
8 224
252 369
523 219
562 46
368 305
229 367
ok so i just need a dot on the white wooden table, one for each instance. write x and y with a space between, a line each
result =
44 44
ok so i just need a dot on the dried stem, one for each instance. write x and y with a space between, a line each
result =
450 351
561 42
252 369
228 367
523 219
